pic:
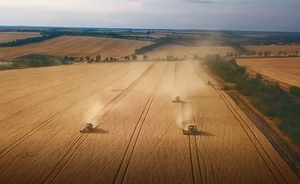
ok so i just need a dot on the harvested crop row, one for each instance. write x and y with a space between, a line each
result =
139 138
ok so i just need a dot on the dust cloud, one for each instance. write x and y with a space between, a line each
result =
90 116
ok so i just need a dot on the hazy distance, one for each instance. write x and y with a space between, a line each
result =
256 15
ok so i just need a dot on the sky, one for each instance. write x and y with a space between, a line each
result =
253 15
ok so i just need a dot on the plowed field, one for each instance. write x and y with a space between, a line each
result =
285 71
180 50
139 135
77 46
11 36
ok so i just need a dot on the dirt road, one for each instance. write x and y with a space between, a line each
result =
139 137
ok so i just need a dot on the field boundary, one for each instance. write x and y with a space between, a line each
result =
286 152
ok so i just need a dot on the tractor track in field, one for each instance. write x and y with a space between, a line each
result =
200 120
193 150
198 176
195 155
44 123
61 82
245 126
124 164
283 149
48 99
286 153
82 137
203 174
191 161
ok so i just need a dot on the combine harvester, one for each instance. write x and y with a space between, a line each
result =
191 130
89 127
225 87
177 99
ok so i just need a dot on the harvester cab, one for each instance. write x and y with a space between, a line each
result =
177 99
89 127
191 130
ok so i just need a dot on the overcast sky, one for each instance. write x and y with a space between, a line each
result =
263 15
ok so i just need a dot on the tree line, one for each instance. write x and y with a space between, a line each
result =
46 35
108 35
25 41
260 54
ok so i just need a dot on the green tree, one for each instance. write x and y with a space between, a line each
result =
253 53
258 76
87 58
134 57
66 58
145 57
81 59
71 58
98 58
294 90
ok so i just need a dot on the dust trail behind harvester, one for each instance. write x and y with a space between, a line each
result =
90 116
187 113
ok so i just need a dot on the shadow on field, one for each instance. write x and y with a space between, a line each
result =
198 133
99 131
202 133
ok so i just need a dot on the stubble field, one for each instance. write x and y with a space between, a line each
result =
285 71
11 36
139 137
77 46
189 50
